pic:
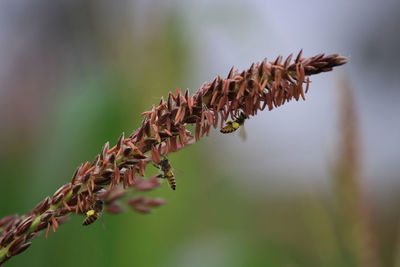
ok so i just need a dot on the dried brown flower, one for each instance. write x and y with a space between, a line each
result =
164 130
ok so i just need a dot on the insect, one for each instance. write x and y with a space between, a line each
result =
94 212
166 172
233 125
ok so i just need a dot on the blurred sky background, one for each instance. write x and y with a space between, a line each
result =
75 74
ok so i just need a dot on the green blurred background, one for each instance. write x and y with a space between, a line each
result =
315 184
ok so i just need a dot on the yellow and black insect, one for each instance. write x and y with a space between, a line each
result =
94 212
233 125
166 172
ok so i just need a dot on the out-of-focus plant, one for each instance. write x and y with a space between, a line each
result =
112 174
355 210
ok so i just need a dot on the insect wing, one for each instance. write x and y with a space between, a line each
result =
102 221
243 133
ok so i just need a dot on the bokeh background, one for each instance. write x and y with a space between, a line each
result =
315 184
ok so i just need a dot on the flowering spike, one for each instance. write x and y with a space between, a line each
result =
263 84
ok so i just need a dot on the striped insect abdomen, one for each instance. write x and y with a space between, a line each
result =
91 219
230 127
172 182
